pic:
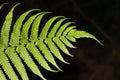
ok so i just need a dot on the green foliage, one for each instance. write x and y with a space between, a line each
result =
43 47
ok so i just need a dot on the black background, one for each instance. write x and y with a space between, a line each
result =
91 61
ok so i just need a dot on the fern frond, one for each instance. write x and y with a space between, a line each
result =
11 53
54 50
84 34
66 42
45 29
55 27
4 36
2 76
37 55
15 36
5 64
58 41
47 54
25 42
25 29
35 26
28 60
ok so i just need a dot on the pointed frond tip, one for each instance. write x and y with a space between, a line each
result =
2 5
84 34
25 42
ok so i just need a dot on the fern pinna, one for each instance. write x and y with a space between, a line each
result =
16 45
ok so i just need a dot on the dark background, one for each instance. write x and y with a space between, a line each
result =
99 17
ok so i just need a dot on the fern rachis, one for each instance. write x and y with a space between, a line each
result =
43 47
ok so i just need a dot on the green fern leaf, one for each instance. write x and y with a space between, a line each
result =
2 76
61 45
4 62
54 50
28 60
17 62
25 29
66 42
37 55
43 33
24 42
14 41
47 54
55 27
35 27
4 36
84 34
58 41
